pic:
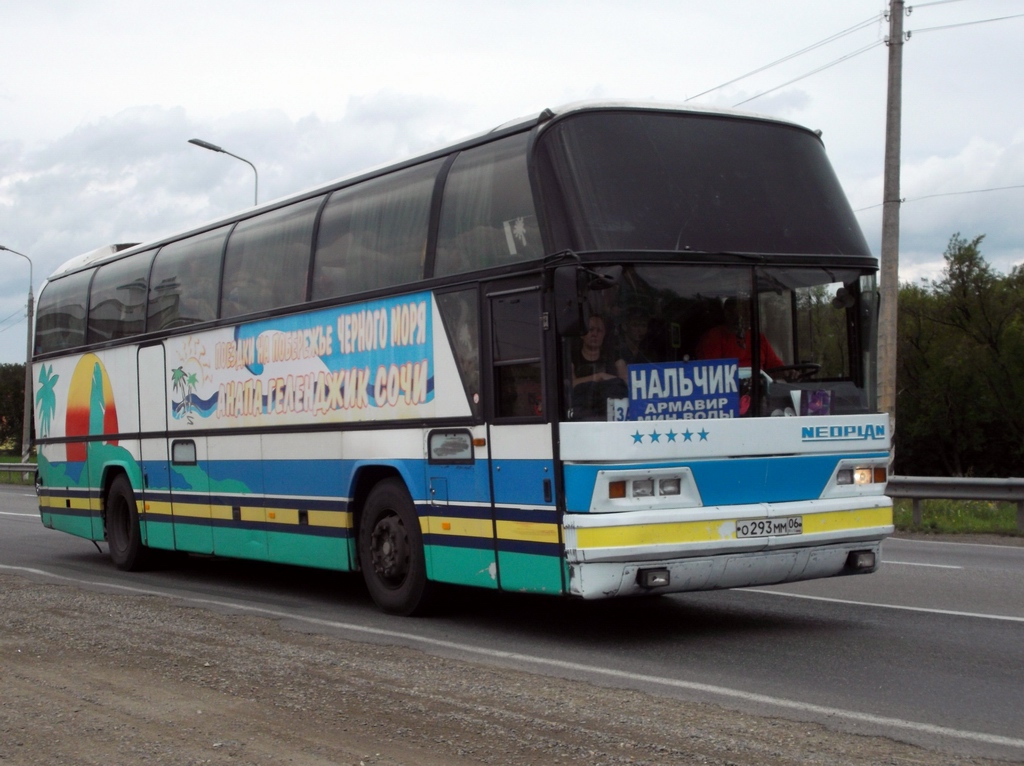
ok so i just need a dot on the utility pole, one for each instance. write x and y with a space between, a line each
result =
889 286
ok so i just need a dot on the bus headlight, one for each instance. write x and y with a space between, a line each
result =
643 488
860 476
646 488
669 486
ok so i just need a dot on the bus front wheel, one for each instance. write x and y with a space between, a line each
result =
391 551
124 537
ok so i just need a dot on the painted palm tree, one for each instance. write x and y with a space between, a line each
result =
46 399
97 403
185 384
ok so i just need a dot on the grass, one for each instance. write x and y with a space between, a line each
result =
958 517
14 477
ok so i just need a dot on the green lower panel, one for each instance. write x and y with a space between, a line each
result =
193 538
461 566
158 534
530 573
240 543
82 526
309 550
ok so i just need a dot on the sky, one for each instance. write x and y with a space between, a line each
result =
98 99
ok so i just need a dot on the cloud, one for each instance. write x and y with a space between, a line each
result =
964 192
133 177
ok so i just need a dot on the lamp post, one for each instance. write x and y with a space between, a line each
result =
26 432
214 148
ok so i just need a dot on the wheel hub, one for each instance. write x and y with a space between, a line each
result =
390 550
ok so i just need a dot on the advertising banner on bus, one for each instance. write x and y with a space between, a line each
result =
366 361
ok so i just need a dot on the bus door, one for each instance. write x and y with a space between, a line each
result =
459 534
157 523
177 484
176 489
526 521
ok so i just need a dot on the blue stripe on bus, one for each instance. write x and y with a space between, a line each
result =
487 543
84 513
263 526
733 481
458 541
523 514
455 511
523 546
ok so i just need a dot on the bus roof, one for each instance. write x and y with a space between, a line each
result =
114 252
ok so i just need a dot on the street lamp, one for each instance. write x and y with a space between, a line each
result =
26 433
215 148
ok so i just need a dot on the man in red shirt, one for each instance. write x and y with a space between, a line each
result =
731 340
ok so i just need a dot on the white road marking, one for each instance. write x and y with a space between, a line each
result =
954 542
14 513
578 667
915 564
947 612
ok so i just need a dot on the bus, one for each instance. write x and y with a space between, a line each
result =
608 350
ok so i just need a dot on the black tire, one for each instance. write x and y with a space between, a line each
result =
391 551
124 538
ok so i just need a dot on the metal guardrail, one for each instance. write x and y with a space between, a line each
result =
25 468
919 488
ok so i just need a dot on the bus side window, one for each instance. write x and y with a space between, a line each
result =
60 318
487 216
183 285
459 314
267 260
374 234
117 302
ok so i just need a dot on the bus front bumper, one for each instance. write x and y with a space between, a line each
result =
612 555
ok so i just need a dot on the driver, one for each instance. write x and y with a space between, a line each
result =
731 339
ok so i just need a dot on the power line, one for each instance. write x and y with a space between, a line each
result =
836 36
946 194
839 60
20 313
964 24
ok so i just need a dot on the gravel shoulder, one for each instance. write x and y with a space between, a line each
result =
94 678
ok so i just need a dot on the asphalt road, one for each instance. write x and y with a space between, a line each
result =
928 650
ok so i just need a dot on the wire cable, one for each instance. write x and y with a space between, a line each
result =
20 313
839 60
836 36
964 24
945 194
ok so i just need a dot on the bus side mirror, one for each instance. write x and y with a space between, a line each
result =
572 314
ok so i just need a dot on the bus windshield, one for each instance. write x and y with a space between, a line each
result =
698 183
693 341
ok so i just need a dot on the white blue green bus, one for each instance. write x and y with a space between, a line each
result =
607 350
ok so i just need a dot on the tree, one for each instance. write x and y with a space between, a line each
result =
12 406
960 388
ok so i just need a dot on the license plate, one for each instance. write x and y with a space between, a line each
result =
790 525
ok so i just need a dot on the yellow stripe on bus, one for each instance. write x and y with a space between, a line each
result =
450 525
336 519
721 529
652 534
837 520
528 531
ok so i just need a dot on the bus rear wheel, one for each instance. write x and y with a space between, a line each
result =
124 536
391 551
